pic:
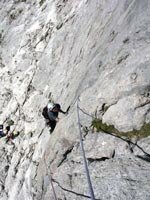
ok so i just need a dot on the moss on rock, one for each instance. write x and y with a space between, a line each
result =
41 2
100 126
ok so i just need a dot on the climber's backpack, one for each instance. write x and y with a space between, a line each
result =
44 113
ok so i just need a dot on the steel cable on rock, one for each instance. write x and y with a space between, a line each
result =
84 156
121 138
51 180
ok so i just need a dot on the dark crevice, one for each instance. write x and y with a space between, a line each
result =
27 91
73 192
70 180
126 40
143 104
113 154
131 146
2 184
85 131
144 157
77 162
129 143
41 133
54 158
113 35
122 58
97 159
6 168
68 151
17 165
35 176
30 84
101 159
131 180
43 191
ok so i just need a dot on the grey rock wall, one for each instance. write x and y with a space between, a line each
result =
98 50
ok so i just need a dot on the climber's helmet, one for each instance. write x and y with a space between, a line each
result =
50 106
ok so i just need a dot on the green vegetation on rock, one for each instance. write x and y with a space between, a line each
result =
100 126
41 2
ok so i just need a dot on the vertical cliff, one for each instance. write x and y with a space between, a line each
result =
59 50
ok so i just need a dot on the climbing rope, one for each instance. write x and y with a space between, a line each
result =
83 154
51 180
53 189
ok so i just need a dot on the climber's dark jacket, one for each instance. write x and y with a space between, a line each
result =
2 134
52 115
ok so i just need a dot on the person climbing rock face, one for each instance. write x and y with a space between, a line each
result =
50 113
8 133
2 134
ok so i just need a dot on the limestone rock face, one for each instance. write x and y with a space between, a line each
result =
58 49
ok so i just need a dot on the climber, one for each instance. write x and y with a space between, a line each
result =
6 132
11 134
2 134
50 113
